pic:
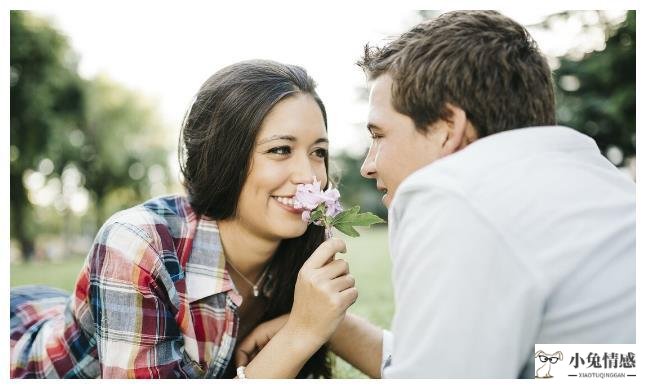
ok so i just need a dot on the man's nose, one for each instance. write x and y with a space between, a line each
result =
369 168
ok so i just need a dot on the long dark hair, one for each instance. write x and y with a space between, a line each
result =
215 149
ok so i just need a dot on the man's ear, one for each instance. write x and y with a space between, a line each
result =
458 130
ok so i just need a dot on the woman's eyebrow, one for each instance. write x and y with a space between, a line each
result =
277 137
289 138
321 140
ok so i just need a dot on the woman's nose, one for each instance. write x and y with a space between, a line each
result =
304 172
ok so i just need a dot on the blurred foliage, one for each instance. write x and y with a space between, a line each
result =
46 100
596 94
354 188
72 136
110 140
124 150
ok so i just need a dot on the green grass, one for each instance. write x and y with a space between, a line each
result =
59 274
367 255
370 265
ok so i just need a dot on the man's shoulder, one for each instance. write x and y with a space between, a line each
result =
506 156
446 175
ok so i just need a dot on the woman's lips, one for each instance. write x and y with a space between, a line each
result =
288 208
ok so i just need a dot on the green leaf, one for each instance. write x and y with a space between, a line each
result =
347 229
365 219
343 216
316 215
346 220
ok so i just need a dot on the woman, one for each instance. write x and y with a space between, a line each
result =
171 284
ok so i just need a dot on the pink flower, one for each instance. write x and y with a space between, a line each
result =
308 196
332 205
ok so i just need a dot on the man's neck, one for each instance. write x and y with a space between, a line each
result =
248 252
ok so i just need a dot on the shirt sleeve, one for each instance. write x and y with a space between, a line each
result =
466 306
137 335
386 350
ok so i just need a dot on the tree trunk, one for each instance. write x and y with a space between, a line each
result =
20 214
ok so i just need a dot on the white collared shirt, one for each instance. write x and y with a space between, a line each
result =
524 237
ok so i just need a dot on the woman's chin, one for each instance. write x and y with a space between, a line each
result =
291 230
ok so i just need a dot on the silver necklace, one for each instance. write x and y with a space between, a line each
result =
256 293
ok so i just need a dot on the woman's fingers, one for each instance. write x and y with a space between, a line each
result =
250 346
244 352
319 304
342 283
334 269
257 339
323 253
349 296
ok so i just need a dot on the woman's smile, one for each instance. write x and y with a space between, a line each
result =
287 203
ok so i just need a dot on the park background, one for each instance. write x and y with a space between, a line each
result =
97 98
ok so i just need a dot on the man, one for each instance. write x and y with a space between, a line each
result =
505 230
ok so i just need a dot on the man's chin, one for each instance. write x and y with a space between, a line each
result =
385 200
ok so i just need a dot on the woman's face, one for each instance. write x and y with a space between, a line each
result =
290 149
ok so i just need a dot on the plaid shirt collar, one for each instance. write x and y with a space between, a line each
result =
205 270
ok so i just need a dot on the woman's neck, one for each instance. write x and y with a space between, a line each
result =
246 251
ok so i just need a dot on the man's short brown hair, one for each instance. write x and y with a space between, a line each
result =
481 61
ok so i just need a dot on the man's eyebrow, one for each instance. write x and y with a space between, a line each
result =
289 138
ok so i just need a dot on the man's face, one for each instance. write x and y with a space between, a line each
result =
397 148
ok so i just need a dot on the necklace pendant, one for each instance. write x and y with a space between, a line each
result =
255 291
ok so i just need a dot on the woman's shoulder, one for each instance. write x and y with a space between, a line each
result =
157 221
150 236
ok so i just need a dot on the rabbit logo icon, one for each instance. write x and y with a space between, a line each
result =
545 361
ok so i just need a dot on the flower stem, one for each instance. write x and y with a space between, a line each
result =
328 232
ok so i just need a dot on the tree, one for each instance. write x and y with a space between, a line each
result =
104 139
122 142
596 94
46 102
355 188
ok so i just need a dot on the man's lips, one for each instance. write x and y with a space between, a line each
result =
383 199
385 192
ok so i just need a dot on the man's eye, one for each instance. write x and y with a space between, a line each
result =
374 135
282 150
321 153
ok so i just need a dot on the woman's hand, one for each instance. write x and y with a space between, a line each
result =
257 339
324 291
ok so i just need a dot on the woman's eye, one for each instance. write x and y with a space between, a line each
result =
321 153
282 150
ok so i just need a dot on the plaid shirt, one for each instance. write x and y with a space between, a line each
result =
153 300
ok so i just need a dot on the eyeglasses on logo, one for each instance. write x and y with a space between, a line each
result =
545 362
